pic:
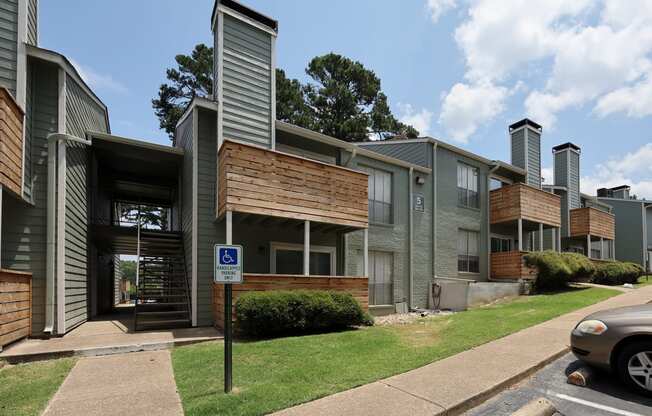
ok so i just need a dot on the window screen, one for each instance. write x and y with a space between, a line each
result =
468 258
380 195
467 186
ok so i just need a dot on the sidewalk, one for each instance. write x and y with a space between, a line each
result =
138 383
458 383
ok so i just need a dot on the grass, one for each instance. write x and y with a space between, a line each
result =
25 389
274 374
644 281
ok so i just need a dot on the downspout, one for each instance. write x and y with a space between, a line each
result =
491 171
345 236
434 210
54 140
410 238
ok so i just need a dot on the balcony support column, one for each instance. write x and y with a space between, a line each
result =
601 248
554 239
540 236
306 248
365 252
558 239
520 234
588 245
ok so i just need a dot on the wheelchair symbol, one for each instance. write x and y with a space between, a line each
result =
228 256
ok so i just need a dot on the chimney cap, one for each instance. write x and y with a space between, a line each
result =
525 122
247 11
567 145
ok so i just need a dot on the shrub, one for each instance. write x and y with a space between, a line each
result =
301 311
553 269
617 273
580 266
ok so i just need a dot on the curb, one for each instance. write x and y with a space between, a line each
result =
492 391
100 351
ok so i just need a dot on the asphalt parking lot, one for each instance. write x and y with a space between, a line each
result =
604 396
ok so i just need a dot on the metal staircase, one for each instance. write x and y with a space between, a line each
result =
163 295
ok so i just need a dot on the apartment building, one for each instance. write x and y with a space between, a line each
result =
633 218
381 220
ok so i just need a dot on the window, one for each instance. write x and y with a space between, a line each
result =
501 244
468 259
381 290
467 186
380 195
288 259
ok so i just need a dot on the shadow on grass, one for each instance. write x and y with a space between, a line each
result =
567 289
243 337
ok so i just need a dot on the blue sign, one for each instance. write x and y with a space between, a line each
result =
228 264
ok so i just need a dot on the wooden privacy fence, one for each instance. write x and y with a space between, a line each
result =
511 265
15 306
357 286
11 143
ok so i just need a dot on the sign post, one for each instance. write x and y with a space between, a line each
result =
228 270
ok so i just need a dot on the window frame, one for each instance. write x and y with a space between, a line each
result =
372 255
502 238
371 172
464 202
467 255
274 246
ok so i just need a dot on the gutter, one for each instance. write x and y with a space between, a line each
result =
55 220
434 209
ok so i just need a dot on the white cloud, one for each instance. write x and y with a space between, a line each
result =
97 80
420 120
467 106
632 169
548 175
585 52
436 8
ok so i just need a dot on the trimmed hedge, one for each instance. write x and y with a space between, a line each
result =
284 312
617 273
555 270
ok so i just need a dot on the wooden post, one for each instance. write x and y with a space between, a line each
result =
601 248
0 225
554 239
306 248
365 253
588 245
520 234
540 236
559 239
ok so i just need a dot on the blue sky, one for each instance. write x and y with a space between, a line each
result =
460 70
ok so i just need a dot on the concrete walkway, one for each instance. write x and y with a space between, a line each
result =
458 383
112 335
128 384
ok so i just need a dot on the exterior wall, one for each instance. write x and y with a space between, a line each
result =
32 22
117 277
29 133
8 44
451 217
184 140
518 149
246 81
15 300
416 153
630 230
392 238
574 181
24 225
82 112
534 159
82 115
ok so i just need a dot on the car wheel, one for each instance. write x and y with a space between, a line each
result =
635 366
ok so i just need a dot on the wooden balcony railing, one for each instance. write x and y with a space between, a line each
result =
11 143
519 200
15 306
265 182
592 221
357 286
510 265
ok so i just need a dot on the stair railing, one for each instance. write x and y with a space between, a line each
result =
137 269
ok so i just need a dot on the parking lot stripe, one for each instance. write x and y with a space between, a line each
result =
597 406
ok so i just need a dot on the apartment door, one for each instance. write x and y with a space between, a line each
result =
381 288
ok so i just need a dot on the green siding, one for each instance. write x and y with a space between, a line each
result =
246 83
82 112
24 226
534 159
29 123
32 22
8 43
416 153
630 229
184 140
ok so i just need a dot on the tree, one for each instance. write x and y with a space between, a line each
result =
128 269
344 99
194 77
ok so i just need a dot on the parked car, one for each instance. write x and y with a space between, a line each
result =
618 340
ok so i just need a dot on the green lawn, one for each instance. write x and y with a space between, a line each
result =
275 374
25 389
644 281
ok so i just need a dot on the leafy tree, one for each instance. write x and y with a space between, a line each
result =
128 269
194 77
343 100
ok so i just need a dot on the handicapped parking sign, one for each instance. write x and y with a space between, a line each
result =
228 264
